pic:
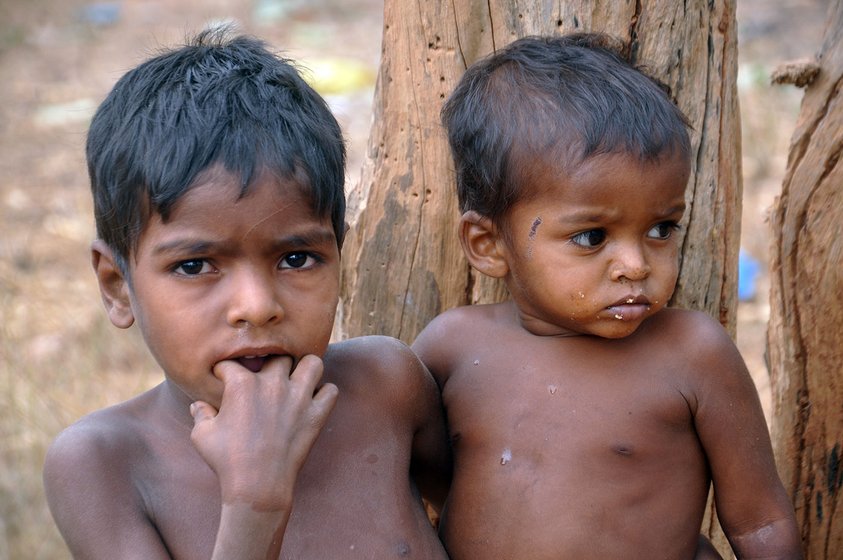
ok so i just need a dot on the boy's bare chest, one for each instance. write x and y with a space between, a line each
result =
352 498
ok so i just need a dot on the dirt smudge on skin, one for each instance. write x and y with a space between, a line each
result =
535 227
532 235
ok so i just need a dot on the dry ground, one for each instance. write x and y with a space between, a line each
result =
57 61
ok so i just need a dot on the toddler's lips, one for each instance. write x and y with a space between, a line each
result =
628 311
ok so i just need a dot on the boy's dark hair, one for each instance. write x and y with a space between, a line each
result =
214 101
561 99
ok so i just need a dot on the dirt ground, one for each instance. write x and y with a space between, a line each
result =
57 61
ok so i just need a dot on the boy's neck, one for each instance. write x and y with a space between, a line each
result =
173 406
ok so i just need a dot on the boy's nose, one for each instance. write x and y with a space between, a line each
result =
631 264
253 301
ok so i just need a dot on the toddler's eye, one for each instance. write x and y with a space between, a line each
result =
589 239
297 260
662 230
193 267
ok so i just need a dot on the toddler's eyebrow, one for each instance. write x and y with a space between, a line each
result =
677 209
601 215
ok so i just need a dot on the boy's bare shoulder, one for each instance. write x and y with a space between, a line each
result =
91 476
104 440
374 351
379 366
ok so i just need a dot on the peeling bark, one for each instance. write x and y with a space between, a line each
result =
804 335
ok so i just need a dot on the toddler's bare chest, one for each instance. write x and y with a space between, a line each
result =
553 407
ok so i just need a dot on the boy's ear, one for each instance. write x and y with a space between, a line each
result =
482 244
114 287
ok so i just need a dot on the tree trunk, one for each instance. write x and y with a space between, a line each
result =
805 335
403 263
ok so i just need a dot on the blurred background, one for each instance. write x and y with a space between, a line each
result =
59 356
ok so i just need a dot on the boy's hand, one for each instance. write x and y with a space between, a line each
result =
267 423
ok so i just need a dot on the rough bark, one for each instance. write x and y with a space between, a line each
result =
805 335
403 263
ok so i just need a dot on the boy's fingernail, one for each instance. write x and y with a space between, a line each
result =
193 409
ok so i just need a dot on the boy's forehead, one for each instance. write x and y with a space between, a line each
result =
219 188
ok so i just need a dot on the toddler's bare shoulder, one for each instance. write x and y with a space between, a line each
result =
689 326
458 326
700 343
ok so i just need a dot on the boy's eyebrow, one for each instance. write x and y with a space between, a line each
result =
315 236
312 237
184 246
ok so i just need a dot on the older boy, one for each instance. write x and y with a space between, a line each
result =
588 419
217 177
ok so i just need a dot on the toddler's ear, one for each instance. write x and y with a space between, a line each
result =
481 244
114 288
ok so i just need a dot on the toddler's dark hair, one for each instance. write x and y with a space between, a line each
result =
217 100
560 100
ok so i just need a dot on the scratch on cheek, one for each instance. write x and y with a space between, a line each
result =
532 236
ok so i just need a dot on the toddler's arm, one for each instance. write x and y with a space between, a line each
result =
431 462
706 550
753 507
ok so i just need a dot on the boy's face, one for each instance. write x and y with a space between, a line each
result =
228 278
596 251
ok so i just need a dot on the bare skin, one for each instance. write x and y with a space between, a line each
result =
263 441
587 420
135 487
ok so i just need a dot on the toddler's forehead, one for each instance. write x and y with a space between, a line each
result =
547 174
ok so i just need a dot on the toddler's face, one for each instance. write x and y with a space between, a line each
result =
228 278
596 251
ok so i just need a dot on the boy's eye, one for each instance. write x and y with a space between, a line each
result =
193 267
298 260
662 230
589 239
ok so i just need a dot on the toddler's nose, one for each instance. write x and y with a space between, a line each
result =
631 265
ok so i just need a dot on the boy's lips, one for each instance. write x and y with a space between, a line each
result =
254 359
253 363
